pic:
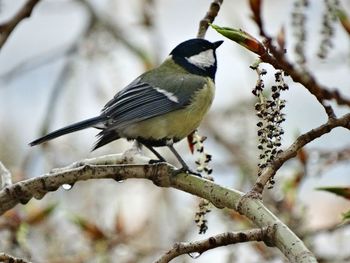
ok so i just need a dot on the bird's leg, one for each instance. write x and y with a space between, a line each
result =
185 167
160 158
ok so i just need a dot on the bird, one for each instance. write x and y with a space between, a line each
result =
160 107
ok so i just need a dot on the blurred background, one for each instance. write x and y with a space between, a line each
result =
71 56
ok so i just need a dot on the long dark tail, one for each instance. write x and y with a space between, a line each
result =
68 129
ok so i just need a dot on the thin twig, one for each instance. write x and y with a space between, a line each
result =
305 78
5 176
209 18
224 239
7 28
34 62
292 150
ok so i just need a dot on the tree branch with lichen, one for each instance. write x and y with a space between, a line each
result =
120 167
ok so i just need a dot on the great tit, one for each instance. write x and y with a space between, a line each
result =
160 107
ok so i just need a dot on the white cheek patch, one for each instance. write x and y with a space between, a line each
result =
205 59
168 94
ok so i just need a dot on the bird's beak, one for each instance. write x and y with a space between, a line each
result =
217 44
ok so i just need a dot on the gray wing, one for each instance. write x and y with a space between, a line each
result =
140 101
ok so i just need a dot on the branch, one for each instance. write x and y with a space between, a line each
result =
124 166
209 17
292 150
7 258
278 61
224 239
7 28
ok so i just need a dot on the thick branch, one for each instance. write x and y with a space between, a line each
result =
122 167
209 18
224 239
7 28
292 150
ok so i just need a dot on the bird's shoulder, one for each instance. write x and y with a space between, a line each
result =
171 77
167 82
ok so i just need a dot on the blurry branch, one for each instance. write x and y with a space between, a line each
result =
56 92
331 156
10 259
35 62
62 79
7 28
124 166
327 158
52 55
237 154
209 18
197 248
292 150
326 230
109 26
331 258
148 21
5 176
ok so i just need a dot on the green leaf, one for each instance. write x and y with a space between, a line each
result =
341 191
242 38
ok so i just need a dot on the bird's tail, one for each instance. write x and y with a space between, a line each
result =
68 129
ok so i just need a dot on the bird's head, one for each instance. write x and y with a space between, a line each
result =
197 56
